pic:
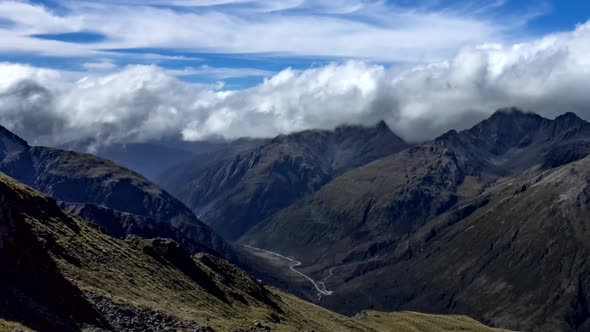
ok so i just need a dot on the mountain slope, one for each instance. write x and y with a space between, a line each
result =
121 224
515 256
24 260
178 175
98 283
238 190
361 223
375 205
83 178
148 159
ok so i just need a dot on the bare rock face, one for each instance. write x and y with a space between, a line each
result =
127 318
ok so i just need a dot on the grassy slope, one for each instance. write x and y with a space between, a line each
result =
12 326
344 219
417 322
84 178
523 252
209 291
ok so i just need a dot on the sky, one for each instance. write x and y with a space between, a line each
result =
117 71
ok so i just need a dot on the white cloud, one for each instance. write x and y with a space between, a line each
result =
354 28
219 73
104 65
139 103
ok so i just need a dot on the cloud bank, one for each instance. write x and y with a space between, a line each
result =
145 103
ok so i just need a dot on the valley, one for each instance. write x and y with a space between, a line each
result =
378 226
294 166
292 264
453 226
99 283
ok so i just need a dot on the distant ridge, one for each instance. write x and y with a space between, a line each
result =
83 178
241 187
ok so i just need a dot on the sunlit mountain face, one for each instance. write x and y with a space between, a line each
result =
294 165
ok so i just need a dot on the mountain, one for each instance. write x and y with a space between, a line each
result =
177 175
83 178
237 189
366 229
121 224
386 199
513 256
93 282
149 159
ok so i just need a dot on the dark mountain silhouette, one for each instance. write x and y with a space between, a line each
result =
149 159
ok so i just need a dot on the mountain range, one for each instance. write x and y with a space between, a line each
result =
85 180
149 159
489 222
401 218
60 273
242 185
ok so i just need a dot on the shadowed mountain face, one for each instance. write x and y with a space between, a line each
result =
177 175
239 188
10 144
83 178
511 141
121 224
374 227
149 159
54 304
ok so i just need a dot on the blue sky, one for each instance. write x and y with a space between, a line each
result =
240 42
117 71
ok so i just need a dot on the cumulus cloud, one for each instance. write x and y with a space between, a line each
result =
142 103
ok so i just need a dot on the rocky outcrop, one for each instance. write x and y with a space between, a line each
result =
128 318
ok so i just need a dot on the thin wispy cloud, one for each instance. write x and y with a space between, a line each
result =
102 65
135 71
372 30
219 72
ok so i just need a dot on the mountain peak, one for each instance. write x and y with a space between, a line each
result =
570 119
508 122
513 113
10 143
382 125
512 110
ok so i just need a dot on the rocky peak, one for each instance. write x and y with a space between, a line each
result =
10 143
380 127
342 132
508 123
569 121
